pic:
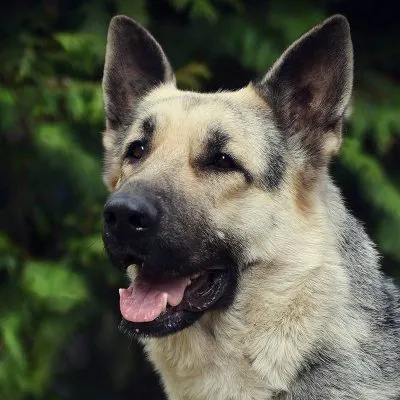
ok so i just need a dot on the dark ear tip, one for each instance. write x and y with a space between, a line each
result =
120 19
120 22
337 18
337 22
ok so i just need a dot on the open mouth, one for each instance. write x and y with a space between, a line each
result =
156 307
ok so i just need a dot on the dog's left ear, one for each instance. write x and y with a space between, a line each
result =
135 64
309 87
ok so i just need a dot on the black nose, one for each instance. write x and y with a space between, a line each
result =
129 214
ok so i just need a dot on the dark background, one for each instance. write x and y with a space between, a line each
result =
58 293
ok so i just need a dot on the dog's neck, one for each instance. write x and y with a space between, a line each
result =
261 342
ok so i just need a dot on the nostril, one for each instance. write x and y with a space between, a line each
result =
124 215
109 218
138 221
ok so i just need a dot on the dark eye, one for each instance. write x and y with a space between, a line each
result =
136 150
223 161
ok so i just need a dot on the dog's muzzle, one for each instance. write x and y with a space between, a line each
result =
180 271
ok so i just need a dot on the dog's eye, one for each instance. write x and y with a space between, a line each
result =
136 150
223 161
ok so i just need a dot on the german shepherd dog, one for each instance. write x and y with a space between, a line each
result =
249 278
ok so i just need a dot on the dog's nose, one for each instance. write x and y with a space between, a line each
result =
129 214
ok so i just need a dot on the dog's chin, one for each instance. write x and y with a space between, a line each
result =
166 324
208 290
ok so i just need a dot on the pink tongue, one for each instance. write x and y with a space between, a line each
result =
145 301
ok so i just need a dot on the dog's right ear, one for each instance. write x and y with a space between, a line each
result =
135 63
309 87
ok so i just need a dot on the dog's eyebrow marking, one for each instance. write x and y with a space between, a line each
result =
148 127
275 170
216 142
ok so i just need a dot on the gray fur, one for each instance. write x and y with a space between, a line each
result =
372 369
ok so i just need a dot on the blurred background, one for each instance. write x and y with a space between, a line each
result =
58 293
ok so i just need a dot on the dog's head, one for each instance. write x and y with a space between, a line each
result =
204 186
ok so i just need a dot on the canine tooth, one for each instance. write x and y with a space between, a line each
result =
120 291
165 301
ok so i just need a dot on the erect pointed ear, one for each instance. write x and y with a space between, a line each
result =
309 87
135 63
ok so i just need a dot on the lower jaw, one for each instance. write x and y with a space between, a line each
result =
166 324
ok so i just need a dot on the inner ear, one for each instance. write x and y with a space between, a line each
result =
309 87
135 64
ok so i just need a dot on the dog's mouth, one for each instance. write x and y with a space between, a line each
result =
146 299
159 306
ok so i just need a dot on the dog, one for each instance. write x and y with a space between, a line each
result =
249 278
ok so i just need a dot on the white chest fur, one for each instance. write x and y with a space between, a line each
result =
196 365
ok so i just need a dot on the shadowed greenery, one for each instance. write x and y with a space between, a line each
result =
58 292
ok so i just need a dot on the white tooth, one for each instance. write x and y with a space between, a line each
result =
165 301
120 291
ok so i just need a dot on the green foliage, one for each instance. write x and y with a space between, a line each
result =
53 285
58 302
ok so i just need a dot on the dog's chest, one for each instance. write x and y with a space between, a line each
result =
197 367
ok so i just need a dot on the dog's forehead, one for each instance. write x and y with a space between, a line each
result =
221 108
189 123
240 114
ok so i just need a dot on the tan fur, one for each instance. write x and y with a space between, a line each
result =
181 133
254 349
283 308
257 346
303 197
